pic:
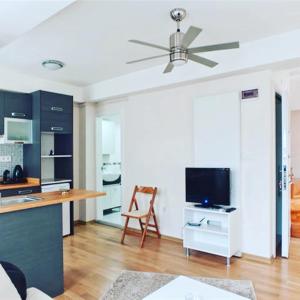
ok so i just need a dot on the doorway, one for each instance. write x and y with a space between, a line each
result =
108 170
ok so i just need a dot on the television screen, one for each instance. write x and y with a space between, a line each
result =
208 186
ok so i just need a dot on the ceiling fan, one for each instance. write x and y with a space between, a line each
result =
179 52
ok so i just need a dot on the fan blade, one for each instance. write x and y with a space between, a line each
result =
149 45
202 60
169 67
147 58
190 35
216 47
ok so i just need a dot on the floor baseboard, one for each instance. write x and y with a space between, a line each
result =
131 229
80 222
256 258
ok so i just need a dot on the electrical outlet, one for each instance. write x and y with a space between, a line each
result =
5 158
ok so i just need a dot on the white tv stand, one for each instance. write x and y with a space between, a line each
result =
218 234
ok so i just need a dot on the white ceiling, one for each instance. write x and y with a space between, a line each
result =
18 17
91 36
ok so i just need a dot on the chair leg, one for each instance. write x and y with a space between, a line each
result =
141 225
145 231
156 226
124 230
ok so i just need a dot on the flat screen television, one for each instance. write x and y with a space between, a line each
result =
207 187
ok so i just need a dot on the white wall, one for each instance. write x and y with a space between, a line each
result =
258 171
76 155
217 137
157 133
295 142
87 160
294 92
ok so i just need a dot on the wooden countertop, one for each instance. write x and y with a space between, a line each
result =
30 182
50 198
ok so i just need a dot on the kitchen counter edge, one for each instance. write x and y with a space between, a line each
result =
51 198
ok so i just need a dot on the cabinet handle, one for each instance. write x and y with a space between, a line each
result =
57 128
55 108
24 192
16 114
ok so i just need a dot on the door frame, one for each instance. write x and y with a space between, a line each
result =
285 218
99 161
279 184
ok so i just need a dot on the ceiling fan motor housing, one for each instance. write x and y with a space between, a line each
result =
178 54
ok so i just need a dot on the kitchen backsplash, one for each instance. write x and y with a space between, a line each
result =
16 153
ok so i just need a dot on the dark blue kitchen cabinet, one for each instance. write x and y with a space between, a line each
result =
56 112
56 126
1 113
20 191
56 122
57 103
17 105
52 120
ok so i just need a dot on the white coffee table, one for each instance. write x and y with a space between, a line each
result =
184 288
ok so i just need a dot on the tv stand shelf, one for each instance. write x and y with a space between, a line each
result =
218 234
208 228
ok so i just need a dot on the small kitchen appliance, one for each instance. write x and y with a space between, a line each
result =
18 174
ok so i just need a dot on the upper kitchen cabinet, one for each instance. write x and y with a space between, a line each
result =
56 112
57 103
17 105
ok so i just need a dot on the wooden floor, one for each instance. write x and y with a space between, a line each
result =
94 257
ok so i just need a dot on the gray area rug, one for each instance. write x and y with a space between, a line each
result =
137 285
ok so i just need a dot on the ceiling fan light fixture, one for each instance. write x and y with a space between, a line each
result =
178 58
178 62
52 64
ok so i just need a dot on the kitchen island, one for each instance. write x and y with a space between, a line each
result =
31 236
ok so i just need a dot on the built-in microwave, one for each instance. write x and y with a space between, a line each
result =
17 131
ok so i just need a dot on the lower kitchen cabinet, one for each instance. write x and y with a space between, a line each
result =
20 191
67 223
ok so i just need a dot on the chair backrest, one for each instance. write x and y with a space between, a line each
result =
146 189
151 191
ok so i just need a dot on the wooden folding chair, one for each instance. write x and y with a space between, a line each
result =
140 214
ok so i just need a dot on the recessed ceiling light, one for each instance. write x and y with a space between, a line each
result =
52 64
